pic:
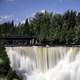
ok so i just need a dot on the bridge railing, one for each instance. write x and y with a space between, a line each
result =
17 41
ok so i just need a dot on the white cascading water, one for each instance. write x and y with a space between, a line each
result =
45 63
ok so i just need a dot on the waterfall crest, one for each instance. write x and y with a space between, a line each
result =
45 63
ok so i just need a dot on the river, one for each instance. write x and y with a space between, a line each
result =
45 63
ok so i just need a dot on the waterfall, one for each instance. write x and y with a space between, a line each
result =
45 63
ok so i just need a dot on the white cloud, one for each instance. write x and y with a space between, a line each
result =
6 17
43 11
23 21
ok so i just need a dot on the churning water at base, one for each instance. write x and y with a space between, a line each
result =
45 63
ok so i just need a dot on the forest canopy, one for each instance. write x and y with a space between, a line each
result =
47 27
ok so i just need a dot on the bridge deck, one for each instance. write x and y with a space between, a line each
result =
17 41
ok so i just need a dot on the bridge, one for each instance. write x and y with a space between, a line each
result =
17 41
12 41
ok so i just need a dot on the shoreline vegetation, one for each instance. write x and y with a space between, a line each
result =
6 72
47 28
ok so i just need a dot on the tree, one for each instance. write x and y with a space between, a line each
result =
26 28
69 23
78 19
4 62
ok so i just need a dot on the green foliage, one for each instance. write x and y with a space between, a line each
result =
48 28
5 70
4 62
12 75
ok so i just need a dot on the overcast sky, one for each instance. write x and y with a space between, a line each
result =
18 10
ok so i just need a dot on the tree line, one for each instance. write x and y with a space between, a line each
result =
47 27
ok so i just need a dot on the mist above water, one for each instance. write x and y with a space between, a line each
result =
45 63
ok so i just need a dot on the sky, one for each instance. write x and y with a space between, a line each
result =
19 10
